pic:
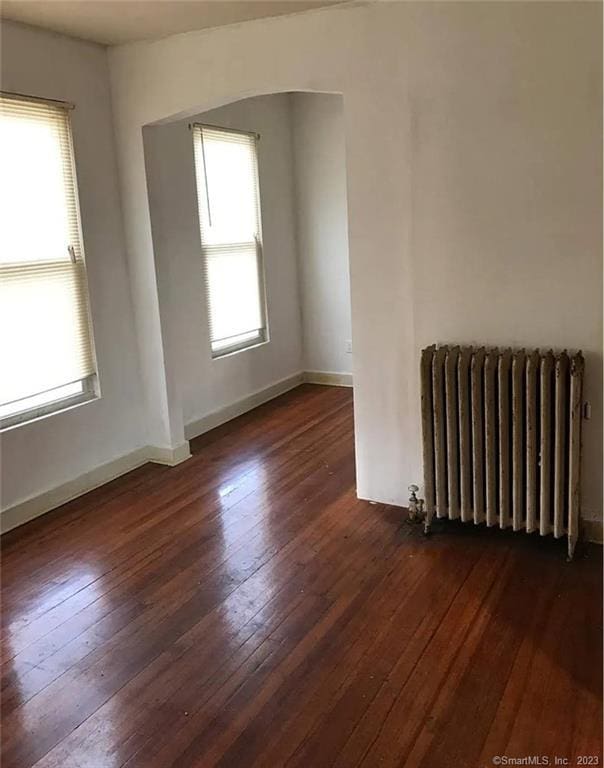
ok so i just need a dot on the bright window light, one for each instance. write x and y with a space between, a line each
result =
45 333
231 238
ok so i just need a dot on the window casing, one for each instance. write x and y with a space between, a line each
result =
228 197
46 341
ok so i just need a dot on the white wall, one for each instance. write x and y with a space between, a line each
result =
322 229
39 456
473 146
206 385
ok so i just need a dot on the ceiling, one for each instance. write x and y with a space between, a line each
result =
112 22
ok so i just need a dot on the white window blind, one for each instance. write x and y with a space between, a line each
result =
231 238
45 333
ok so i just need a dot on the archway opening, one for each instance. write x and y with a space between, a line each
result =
301 166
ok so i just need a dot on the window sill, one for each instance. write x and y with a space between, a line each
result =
231 352
9 424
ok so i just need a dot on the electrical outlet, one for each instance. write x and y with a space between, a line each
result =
348 346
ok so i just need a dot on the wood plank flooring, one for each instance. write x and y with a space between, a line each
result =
246 609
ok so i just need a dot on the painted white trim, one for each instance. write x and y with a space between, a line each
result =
328 378
247 403
36 506
169 456
29 509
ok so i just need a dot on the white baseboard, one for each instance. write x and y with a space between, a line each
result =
331 379
27 510
169 456
31 508
248 403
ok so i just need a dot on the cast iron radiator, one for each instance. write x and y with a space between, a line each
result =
502 438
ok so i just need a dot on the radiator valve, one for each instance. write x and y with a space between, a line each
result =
416 506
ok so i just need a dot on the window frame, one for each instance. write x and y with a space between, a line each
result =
262 335
59 404
90 385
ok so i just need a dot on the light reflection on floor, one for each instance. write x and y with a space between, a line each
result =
246 536
35 649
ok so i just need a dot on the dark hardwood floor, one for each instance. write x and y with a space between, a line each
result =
245 609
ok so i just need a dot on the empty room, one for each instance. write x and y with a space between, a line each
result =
301 403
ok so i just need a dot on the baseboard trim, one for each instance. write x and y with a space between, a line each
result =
31 508
27 510
169 456
592 531
248 403
328 378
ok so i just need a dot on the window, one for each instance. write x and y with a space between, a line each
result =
231 240
45 333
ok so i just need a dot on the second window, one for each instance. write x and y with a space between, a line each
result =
231 237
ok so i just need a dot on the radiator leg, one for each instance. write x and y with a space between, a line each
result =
572 543
428 521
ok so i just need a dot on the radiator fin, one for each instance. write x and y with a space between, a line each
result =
518 440
576 394
560 445
440 432
504 447
452 431
465 434
490 395
428 425
532 441
478 435
545 444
